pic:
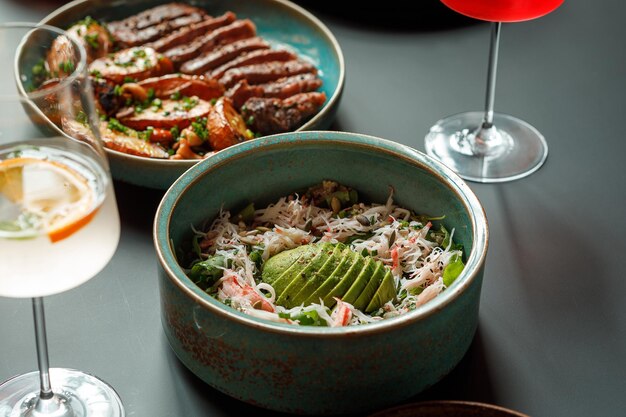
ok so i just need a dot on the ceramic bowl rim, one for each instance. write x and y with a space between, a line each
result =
331 103
469 405
167 260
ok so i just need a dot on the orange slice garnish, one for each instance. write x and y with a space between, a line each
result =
57 198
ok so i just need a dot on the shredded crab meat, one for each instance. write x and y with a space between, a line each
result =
386 232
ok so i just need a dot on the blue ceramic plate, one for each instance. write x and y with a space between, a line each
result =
278 21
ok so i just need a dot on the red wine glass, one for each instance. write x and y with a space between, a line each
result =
487 146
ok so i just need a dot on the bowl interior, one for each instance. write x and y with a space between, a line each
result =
262 170
281 23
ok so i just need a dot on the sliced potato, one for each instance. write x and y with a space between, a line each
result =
136 63
129 143
167 114
226 126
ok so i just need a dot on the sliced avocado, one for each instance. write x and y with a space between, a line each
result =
324 251
346 281
302 262
306 288
360 282
280 262
348 257
371 287
386 292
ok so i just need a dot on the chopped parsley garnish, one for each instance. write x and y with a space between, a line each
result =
189 103
199 127
175 95
146 134
39 74
92 40
114 124
81 118
157 103
175 131
67 66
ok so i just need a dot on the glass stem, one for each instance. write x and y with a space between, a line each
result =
42 349
491 74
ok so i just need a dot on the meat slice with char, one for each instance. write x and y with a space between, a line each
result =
255 57
273 115
212 59
282 88
188 34
266 72
154 16
133 37
239 29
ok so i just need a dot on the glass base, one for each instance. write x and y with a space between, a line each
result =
510 149
76 394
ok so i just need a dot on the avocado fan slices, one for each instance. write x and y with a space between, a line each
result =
323 271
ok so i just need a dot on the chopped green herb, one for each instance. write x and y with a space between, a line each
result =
146 134
175 95
200 128
114 124
67 66
92 40
189 103
175 131
81 118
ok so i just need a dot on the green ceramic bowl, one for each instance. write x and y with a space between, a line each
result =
280 22
312 370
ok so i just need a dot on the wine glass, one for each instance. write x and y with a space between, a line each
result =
487 146
59 224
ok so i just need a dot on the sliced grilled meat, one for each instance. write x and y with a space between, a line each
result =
154 16
282 88
222 54
266 72
183 85
273 115
188 34
131 37
254 57
237 30
137 63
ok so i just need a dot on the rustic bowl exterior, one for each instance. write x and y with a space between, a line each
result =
318 370
280 22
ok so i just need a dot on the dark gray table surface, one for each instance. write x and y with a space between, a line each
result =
552 333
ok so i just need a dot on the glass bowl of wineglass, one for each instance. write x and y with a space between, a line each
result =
59 224
488 146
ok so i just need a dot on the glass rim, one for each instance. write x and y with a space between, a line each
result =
79 69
